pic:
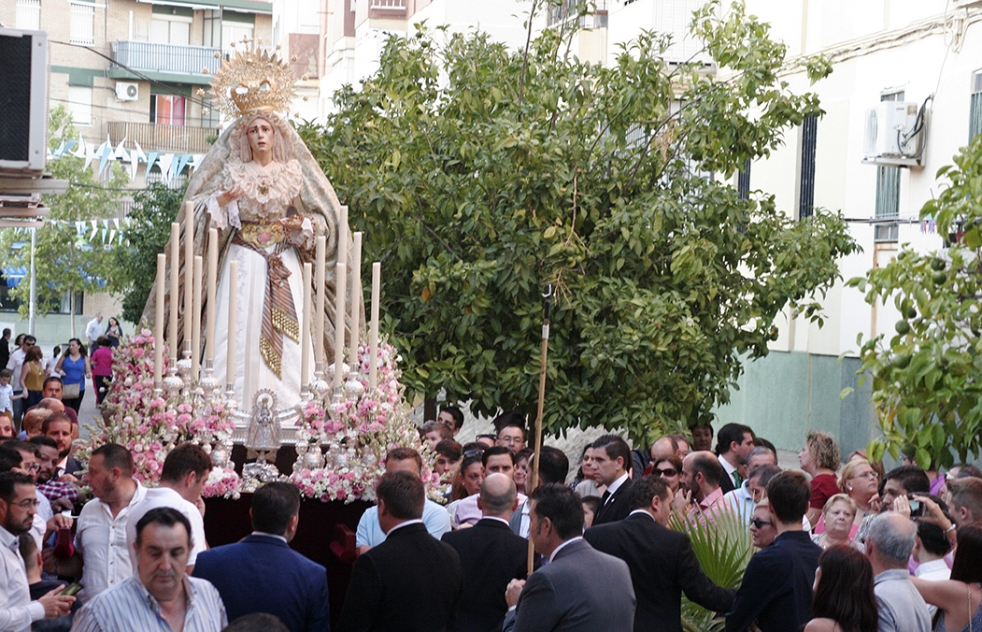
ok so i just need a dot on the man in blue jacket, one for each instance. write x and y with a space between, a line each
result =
261 573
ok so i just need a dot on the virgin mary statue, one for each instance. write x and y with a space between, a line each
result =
264 192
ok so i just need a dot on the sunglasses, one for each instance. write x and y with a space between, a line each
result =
759 524
469 453
667 472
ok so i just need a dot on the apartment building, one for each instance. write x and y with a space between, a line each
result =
129 70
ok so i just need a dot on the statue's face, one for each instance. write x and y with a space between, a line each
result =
261 140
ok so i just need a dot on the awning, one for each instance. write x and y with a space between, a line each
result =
250 6
14 275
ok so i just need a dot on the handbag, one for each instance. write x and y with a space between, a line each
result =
71 391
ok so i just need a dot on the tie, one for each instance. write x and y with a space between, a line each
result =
736 479
604 498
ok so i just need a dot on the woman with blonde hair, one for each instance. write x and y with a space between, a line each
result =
860 482
820 459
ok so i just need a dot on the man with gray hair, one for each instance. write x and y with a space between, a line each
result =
491 555
888 546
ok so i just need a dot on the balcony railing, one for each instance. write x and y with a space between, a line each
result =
388 5
153 137
165 57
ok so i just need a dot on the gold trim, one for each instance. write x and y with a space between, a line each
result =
284 323
255 233
273 359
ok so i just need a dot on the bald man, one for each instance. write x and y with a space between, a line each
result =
491 555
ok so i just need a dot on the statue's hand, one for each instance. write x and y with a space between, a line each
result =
227 196
299 231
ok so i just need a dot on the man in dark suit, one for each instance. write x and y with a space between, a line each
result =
411 582
612 457
661 560
733 443
553 468
580 589
490 555
261 573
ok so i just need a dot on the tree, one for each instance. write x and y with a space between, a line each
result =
480 175
136 267
927 385
64 260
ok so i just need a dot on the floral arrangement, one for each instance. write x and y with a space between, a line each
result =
358 435
149 426
357 432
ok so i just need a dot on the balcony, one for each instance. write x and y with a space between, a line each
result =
165 58
153 137
388 5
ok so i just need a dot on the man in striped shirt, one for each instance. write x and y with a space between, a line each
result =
161 597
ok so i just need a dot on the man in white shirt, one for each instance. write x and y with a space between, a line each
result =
184 475
93 330
17 506
930 547
16 366
101 553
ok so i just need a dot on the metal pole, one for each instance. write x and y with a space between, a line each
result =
32 302
547 297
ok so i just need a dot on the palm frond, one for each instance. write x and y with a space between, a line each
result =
723 546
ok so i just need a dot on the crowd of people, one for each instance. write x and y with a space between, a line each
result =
24 369
842 547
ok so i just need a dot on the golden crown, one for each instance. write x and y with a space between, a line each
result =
253 80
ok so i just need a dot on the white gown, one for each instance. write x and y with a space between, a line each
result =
282 184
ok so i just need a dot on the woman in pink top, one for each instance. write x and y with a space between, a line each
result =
102 368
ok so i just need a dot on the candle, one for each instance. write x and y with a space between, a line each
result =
233 289
321 253
175 272
305 328
343 237
212 291
341 277
158 323
196 316
355 303
373 333
188 271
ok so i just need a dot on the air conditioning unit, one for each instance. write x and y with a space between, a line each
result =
127 91
892 134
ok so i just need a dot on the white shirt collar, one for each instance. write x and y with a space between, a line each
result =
271 535
404 524
563 546
642 511
613 487
495 518
726 466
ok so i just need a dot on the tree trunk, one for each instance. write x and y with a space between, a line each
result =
429 408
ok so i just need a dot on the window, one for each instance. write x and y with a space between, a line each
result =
80 105
170 30
82 18
168 109
806 177
975 111
235 27
888 192
743 181
28 15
